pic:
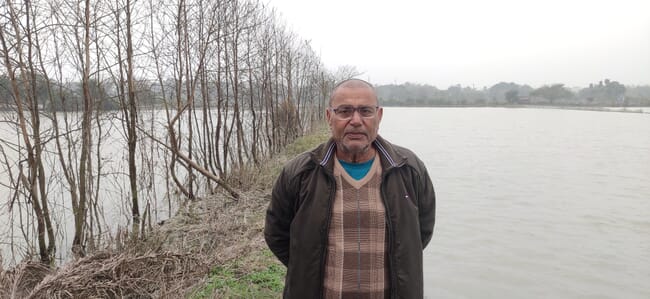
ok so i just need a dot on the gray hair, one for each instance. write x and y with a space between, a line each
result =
352 83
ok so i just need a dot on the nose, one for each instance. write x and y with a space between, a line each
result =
356 118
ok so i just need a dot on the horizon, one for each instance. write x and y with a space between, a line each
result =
517 83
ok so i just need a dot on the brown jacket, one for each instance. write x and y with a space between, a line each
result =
298 218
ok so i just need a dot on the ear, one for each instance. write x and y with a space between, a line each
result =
380 113
328 114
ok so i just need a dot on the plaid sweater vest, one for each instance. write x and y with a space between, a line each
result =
355 262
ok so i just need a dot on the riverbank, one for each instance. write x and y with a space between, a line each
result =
631 109
589 108
212 248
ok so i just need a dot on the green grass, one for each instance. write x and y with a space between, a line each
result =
258 275
308 141
298 146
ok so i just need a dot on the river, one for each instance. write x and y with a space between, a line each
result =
533 203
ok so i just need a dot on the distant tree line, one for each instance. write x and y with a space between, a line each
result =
602 93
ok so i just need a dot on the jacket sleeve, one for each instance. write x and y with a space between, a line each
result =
279 216
426 205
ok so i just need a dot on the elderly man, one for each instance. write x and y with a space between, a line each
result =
350 218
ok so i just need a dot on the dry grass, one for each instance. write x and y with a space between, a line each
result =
17 282
125 275
174 258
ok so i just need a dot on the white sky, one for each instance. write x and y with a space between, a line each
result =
479 43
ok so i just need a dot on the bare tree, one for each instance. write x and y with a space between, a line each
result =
27 108
128 105
80 208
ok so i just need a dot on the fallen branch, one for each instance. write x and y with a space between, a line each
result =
191 163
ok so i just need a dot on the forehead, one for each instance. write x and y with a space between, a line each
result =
357 95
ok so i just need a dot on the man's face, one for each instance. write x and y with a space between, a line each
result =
354 134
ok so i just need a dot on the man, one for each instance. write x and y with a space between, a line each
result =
350 218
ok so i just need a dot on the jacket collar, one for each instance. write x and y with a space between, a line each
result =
390 156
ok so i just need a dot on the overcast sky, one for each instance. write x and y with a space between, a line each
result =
479 43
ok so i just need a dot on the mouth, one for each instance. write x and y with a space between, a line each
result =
356 135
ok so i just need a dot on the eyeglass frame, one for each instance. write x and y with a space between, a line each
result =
354 109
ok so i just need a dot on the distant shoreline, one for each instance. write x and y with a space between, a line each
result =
601 109
629 109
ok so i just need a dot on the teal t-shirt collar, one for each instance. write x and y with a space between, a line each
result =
357 170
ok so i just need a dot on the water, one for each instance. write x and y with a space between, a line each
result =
533 203
113 200
155 189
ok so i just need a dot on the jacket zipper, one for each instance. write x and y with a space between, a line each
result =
391 263
324 233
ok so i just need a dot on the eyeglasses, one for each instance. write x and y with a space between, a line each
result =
347 111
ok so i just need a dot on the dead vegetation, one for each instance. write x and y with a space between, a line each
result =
17 283
177 256
125 275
